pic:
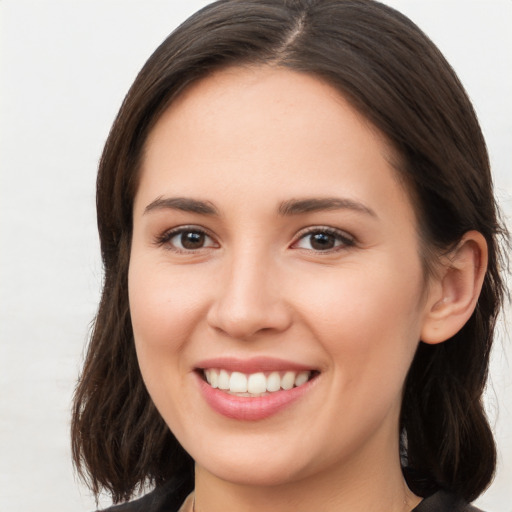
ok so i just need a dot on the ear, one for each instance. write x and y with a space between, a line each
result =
454 292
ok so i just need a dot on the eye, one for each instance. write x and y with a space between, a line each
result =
324 240
186 239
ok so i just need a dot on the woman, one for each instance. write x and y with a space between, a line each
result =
301 271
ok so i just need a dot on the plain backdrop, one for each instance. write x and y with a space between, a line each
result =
65 67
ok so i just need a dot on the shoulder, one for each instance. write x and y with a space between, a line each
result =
443 501
165 498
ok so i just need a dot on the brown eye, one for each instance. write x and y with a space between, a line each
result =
323 240
192 240
186 239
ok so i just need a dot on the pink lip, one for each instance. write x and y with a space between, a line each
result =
253 365
248 408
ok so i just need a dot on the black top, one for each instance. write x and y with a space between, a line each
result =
443 501
169 498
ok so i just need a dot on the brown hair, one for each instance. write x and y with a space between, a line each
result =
395 77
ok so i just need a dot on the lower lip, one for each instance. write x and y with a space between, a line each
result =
251 409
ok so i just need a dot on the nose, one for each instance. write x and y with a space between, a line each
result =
249 299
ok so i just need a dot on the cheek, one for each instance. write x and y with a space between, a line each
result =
370 331
368 322
164 311
164 305
162 320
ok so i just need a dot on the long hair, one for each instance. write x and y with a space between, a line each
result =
395 77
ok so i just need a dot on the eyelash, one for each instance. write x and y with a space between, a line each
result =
345 240
340 236
165 238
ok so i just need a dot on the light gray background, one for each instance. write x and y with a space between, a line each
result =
65 67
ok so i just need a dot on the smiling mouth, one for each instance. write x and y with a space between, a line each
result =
255 384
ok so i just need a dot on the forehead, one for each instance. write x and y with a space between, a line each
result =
243 130
245 89
285 94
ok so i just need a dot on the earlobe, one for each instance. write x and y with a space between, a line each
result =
454 294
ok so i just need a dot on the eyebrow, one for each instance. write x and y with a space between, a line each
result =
286 208
184 204
299 206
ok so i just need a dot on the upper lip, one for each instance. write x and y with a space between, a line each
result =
252 365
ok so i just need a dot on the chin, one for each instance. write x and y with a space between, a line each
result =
257 465
254 473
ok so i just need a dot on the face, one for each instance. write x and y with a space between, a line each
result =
275 283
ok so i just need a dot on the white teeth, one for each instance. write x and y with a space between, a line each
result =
214 379
288 380
254 384
238 383
257 383
301 378
273 382
223 381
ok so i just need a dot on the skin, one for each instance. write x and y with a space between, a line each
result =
245 141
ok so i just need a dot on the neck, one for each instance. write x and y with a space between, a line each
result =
363 484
